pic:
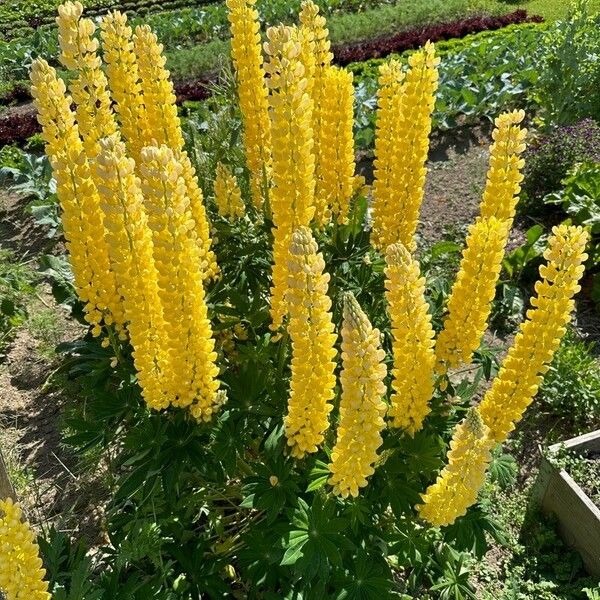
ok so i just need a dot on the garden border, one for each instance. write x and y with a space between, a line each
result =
558 494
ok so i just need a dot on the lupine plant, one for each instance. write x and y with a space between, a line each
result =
288 414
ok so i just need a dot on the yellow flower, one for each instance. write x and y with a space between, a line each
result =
504 175
89 88
21 572
82 216
252 93
124 82
471 298
130 244
458 485
317 57
313 339
161 113
228 196
292 195
337 181
405 105
539 336
361 406
192 377
412 340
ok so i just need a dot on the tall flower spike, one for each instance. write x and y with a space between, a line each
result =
470 301
361 406
458 485
192 374
21 572
82 216
400 160
504 174
292 195
252 93
317 46
539 336
412 340
313 339
124 82
337 145
89 87
161 112
228 196
130 244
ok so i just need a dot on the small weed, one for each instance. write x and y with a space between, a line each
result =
46 327
16 284
571 388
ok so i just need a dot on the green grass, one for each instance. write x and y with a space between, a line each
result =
551 10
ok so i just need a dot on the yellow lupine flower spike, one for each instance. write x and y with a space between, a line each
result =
361 406
124 82
390 81
504 174
470 301
228 196
539 336
161 112
247 58
130 243
313 339
318 48
412 340
89 88
337 181
459 482
400 164
292 195
192 375
82 216
21 572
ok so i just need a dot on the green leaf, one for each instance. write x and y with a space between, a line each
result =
295 542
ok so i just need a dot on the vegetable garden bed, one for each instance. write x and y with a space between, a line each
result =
559 494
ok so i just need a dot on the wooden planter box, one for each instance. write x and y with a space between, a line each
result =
578 517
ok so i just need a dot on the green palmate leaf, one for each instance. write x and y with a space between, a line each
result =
503 468
318 476
293 548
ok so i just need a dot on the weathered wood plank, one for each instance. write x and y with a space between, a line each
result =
585 442
578 517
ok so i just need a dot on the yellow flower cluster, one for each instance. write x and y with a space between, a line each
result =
191 378
521 373
124 82
313 339
504 174
412 340
82 216
130 242
161 113
470 302
292 195
318 62
335 184
252 92
21 572
140 248
228 196
458 485
401 146
89 88
361 406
